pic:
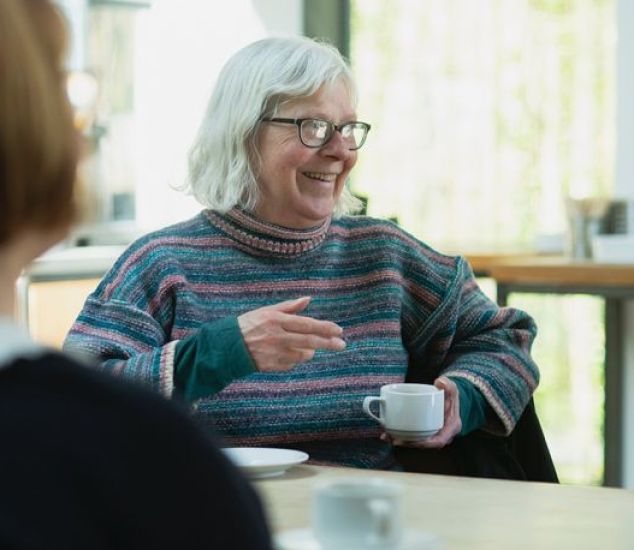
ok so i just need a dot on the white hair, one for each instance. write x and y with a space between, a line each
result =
255 83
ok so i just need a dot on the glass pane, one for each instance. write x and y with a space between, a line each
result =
485 114
570 352
110 58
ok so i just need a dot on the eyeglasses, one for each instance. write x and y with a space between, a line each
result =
315 132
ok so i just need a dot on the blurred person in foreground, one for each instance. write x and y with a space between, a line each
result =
88 461
274 312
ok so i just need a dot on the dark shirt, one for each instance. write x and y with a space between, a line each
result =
88 461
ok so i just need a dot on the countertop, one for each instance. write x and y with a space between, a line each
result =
79 262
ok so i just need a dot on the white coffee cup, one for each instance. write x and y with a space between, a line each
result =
355 513
409 411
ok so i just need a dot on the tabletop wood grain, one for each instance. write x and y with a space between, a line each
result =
467 513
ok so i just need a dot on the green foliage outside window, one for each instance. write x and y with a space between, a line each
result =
486 115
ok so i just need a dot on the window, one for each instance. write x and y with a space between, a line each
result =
485 116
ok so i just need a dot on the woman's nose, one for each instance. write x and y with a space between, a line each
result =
337 147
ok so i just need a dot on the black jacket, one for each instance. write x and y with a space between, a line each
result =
92 462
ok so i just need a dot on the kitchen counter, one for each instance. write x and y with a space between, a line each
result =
67 275
81 262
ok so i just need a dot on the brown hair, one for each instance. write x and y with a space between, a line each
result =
38 143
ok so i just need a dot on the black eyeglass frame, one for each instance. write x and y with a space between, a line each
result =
334 128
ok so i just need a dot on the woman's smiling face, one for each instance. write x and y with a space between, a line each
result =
300 186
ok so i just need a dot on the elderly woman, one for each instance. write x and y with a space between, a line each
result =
83 464
276 312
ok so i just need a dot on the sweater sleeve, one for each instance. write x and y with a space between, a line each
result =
210 359
127 326
468 336
128 341
125 340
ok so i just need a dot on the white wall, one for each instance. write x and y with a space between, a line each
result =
624 187
77 12
624 184
182 45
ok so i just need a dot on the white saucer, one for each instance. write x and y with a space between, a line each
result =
260 462
304 539
411 436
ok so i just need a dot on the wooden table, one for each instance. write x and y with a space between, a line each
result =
561 275
477 513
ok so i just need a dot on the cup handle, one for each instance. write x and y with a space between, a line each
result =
382 520
367 403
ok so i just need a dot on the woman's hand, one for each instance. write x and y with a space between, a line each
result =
452 425
278 339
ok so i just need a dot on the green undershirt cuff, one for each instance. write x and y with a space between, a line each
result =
473 406
209 360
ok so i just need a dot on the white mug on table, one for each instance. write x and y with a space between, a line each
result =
355 513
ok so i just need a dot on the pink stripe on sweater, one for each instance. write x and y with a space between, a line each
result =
205 243
364 329
166 375
249 286
291 387
308 436
109 336
364 232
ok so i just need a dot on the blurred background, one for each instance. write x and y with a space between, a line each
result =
498 127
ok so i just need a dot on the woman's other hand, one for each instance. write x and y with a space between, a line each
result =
452 425
278 338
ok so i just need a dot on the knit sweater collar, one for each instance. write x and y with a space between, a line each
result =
264 238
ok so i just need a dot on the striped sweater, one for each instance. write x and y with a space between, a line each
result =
401 305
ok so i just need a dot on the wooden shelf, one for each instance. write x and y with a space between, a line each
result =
552 270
